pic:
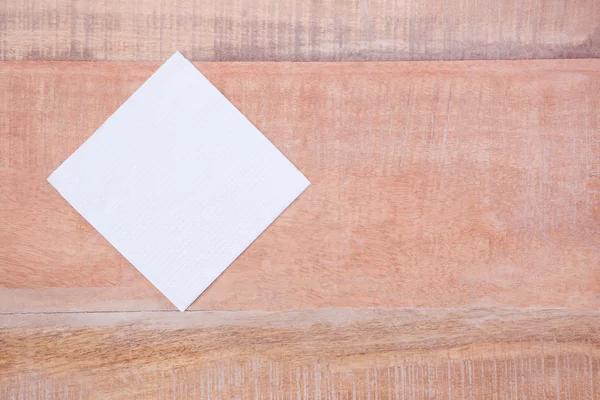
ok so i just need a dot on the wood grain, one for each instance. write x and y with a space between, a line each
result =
441 184
286 30
321 354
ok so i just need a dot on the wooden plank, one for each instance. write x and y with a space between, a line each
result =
439 184
329 354
284 30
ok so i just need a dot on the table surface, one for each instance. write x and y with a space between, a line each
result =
448 246
298 30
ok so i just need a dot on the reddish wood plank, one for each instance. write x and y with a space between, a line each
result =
284 30
433 185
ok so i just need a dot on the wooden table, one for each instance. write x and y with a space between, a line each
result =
448 247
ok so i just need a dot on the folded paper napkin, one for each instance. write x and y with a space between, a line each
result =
179 181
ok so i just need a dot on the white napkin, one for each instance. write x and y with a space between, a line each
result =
179 181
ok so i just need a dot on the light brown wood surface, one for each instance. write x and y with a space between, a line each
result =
443 184
447 248
319 354
303 30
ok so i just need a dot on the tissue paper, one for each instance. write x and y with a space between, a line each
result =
179 181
